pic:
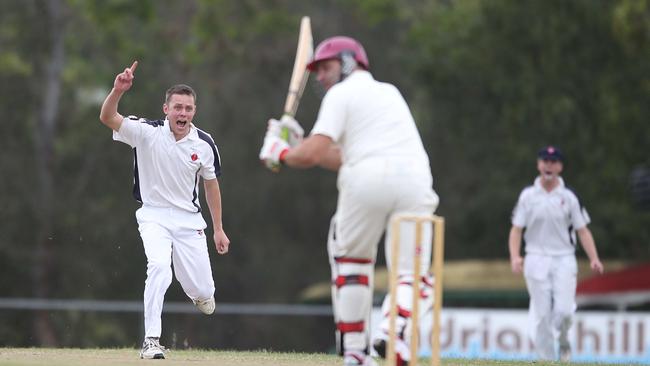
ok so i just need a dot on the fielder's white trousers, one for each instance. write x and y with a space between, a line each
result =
172 236
551 283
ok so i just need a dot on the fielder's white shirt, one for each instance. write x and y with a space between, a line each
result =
166 171
368 118
550 219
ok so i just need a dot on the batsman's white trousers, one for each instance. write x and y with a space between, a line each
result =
551 283
171 235
370 193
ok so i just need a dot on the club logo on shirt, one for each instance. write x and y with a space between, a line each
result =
194 157
200 232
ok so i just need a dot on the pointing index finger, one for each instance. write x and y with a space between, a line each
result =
134 66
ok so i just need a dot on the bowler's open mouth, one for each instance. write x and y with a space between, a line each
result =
181 123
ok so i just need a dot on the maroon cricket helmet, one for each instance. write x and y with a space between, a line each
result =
333 47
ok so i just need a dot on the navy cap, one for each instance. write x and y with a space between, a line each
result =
550 153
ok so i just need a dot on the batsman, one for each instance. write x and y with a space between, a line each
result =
365 131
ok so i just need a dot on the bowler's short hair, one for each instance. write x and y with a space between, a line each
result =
179 89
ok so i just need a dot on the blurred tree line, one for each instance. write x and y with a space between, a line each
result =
489 83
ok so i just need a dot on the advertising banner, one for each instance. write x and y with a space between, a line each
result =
610 337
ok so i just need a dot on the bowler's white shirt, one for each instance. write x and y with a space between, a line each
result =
166 171
368 118
550 219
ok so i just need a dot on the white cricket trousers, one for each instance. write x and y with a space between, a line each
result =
551 283
370 193
172 236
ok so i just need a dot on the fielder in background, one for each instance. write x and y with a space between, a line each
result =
551 215
366 132
170 155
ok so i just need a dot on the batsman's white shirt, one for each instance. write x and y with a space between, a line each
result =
166 171
368 118
550 219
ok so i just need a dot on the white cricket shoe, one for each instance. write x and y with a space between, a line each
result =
206 306
152 350
356 358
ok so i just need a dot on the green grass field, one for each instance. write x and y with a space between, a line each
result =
105 357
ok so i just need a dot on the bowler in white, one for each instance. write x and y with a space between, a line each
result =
171 157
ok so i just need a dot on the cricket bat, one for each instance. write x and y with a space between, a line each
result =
300 74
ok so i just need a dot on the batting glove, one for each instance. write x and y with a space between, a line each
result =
291 130
273 150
